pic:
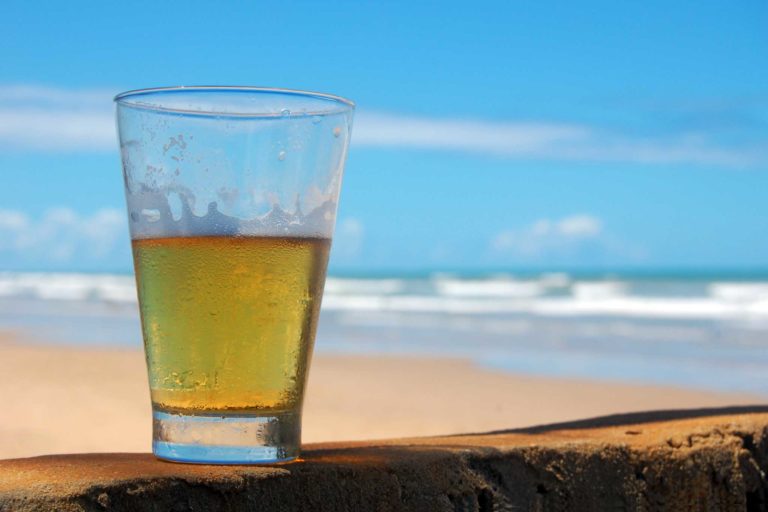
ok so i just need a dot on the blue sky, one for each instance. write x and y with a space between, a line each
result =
498 135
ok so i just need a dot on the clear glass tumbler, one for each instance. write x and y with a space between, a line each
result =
232 196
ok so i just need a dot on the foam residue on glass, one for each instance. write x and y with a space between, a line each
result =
154 216
168 175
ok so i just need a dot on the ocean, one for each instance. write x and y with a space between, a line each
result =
695 330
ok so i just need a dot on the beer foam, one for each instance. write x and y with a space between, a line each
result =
172 213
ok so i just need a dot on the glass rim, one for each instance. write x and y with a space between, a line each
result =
337 104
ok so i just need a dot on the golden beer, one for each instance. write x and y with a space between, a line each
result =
229 322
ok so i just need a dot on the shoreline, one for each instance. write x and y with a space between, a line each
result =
75 399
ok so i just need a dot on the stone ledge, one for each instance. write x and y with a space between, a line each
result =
673 460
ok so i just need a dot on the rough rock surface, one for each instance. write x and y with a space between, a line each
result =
675 460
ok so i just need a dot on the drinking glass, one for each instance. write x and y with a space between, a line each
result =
232 195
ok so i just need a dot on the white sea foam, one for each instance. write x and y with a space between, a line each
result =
739 292
555 280
572 307
341 286
599 290
744 302
68 287
488 288
639 307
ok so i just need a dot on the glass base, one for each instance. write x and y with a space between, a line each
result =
209 439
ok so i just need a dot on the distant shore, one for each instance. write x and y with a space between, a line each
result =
61 400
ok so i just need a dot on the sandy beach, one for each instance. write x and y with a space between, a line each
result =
63 400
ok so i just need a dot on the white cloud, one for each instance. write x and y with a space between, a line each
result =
508 138
546 141
46 118
579 226
53 119
61 235
504 241
349 237
54 95
547 235
12 220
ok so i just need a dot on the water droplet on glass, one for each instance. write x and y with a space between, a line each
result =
337 131
281 155
285 112
151 214
316 119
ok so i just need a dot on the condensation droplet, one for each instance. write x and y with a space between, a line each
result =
281 155
337 131
285 112
151 214
316 119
